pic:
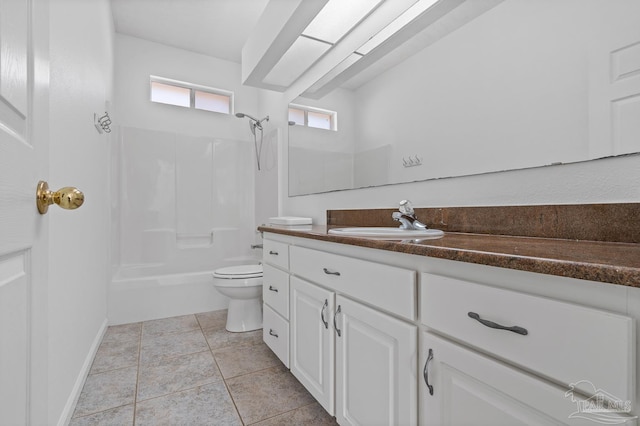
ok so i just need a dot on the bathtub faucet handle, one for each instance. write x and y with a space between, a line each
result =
256 246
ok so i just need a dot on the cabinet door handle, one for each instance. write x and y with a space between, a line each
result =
335 324
325 306
273 288
492 324
425 372
328 272
273 333
275 253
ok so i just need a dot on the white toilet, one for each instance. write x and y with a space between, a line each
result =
243 285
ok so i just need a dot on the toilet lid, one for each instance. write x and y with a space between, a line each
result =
239 271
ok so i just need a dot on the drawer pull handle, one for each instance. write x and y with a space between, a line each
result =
273 289
273 333
335 324
425 372
275 253
328 272
326 304
492 324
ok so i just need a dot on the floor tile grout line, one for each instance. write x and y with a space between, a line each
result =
224 381
101 411
112 370
283 413
180 391
135 395
254 371
226 385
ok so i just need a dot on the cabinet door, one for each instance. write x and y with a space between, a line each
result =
375 367
312 340
471 389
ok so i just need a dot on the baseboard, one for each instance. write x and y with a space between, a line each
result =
65 417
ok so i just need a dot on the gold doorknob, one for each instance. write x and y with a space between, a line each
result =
69 198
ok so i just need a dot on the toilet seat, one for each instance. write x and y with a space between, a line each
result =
239 272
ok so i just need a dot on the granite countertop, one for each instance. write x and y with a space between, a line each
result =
607 262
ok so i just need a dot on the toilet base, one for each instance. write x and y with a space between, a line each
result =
244 315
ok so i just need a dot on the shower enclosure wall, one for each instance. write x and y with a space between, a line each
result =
183 206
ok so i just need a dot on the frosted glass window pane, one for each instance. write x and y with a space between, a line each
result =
297 116
213 102
172 95
319 120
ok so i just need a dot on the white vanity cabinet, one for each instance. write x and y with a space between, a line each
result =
356 360
275 295
385 338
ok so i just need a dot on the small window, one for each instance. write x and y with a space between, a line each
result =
179 93
168 94
313 117
296 116
212 102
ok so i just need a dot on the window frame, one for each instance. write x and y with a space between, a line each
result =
192 93
333 116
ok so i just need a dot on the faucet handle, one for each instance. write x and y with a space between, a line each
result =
406 207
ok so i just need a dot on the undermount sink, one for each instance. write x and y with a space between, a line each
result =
388 233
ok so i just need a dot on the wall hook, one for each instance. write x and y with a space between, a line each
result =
102 123
412 161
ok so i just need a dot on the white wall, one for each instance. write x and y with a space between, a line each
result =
137 59
266 180
81 43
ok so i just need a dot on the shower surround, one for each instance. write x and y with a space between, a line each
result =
182 207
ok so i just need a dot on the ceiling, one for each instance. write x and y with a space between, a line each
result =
217 28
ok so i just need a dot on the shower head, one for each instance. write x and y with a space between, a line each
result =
255 123
243 115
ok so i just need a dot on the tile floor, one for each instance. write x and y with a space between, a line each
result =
189 370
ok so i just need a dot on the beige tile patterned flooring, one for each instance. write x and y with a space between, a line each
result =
189 370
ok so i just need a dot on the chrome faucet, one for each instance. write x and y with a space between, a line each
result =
407 217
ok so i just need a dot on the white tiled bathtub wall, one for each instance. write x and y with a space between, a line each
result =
186 207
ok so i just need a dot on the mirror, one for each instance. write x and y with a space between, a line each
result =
518 84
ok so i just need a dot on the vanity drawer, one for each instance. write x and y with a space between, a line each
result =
383 286
275 333
564 342
275 253
275 290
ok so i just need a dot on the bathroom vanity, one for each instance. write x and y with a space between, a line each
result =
443 332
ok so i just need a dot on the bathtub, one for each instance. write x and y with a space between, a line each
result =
146 292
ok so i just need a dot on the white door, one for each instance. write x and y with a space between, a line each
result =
376 380
312 340
614 79
23 245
